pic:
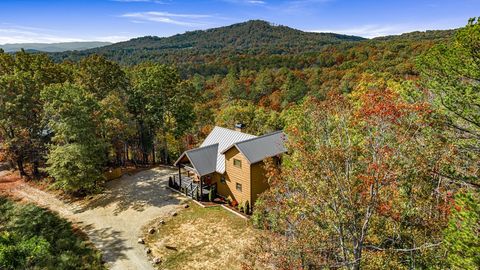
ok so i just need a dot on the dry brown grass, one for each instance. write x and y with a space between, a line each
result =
201 238
8 181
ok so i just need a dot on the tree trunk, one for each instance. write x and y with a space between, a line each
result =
21 169
145 157
165 149
357 254
118 156
125 157
36 172
142 145
11 164
153 153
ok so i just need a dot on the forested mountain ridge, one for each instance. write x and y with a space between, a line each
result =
251 37
420 35
256 45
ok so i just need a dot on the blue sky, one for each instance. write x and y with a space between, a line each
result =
115 20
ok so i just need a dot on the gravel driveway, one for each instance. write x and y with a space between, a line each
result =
113 220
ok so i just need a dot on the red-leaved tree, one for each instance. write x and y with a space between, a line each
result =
357 188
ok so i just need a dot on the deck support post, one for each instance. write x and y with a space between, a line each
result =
179 178
191 189
201 188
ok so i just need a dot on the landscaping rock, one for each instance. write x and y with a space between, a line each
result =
186 206
162 222
157 260
141 241
174 214
148 250
151 231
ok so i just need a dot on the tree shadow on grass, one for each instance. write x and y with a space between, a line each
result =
138 191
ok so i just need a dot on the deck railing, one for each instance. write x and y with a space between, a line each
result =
188 186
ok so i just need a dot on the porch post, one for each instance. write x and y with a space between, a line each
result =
179 177
201 187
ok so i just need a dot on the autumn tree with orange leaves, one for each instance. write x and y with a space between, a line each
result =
358 189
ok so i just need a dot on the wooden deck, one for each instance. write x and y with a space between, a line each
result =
189 186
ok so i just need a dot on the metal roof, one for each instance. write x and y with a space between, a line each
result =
224 137
258 148
209 157
203 159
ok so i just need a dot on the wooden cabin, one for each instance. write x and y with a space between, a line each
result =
230 161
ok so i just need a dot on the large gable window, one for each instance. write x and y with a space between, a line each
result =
237 163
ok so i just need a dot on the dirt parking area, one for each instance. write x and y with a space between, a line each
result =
114 219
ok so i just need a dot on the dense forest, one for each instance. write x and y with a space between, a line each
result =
29 239
255 45
249 38
382 169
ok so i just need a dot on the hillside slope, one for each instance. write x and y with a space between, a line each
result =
257 45
419 35
252 37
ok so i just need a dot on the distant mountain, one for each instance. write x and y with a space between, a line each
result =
251 37
420 35
252 45
53 47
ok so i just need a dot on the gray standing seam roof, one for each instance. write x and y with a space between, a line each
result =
225 138
203 159
209 157
258 148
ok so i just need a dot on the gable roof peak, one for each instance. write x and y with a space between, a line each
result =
258 148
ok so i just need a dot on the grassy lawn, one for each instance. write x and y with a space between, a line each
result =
201 238
35 238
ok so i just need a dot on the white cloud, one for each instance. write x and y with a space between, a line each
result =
372 30
23 34
13 34
166 17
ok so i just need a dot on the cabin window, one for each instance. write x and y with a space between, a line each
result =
237 163
222 179
239 187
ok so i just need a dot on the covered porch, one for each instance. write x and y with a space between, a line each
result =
196 168
189 183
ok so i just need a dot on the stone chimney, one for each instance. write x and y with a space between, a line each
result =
239 127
